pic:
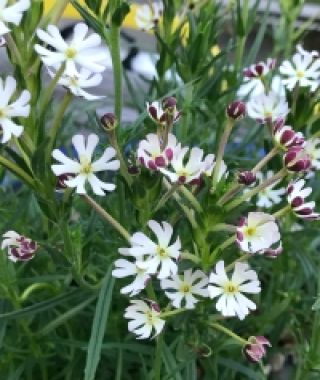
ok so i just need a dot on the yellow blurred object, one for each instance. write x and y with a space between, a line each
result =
316 109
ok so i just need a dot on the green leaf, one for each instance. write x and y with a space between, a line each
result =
248 372
120 14
99 326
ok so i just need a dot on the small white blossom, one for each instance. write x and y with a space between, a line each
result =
269 196
84 168
231 301
153 256
147 17
18 108
257 232
252 87
11 14
125 268
76 82
190 171
312 148
302 51
184 287
82 51
304 71
20 248
152 155
210 163
143 319
267 107
296 193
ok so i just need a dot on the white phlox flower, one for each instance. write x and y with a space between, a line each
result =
11 14
20 248
147 17
257 232
190 171
269 196
312 148
155 257
296 194
84 169
267 107
210 163
144 319
231 301
18 108
302 51
125 268
184 288
303 70
152 155
82 51
76 82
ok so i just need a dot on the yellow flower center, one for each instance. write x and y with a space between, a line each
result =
71 53
162 252
267 113
86 167
300 74
185 288
150 319
230 288
250 231
2 113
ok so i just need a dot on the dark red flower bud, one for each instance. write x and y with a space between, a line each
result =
236 110
247 178
256 349
296 159
109 121
169 103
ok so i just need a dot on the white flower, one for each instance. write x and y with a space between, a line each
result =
297 193
254 86
84 169
231 301
257 232
20 248
148 16
183 288
269 196
267 107
77 81
150 153
144 319
11 14
125 268
190 171
153 256
18 108
312 148
304 71
302 51
81 51
210 163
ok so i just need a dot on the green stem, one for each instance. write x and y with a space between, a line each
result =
117 69
189 256
278 214
226 331
257 189
55 13
241 40
221 247
38 286
191 198
224 227
115 224
158 358
17 171
14 49
170 313
241 258
167 195
265 159
221 148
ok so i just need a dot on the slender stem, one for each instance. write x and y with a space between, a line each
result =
23 153
167 195
17 171
170 313
278 214
55 13
241 258
158 358
37 286
265 159
224 227
221 247
221 148
14 49
117 69
58 119
191 198
257 189
115 224
230 194
49 91
226 331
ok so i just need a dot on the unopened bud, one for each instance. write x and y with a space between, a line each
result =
255 351
109 121
296 159
236 110
246 178
169 103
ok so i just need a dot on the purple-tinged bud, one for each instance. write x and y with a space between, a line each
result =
246 178
236 110
259 69
278 124
296 159
255 351
155 307
109 121
287 138
133 170
273 253
20 248
169 103
61 180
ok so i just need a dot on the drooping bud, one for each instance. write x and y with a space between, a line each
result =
236 110
255 351
296 159
287 138
109 121
246 178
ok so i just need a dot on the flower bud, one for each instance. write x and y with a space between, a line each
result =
273 253
169 103
259 69
256 349
61 185
297 160
236 110
20 248
246 178
109 121
287 138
